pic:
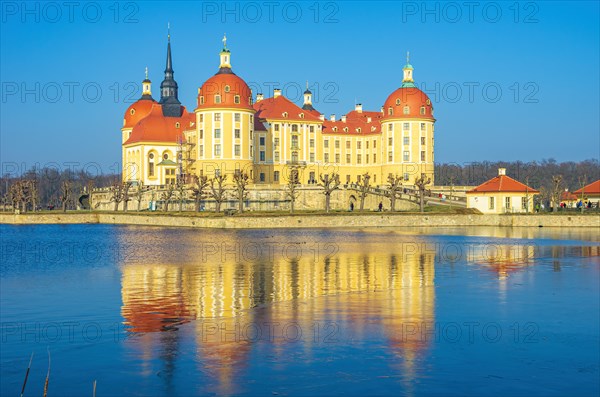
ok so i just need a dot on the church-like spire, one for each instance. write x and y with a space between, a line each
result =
168 88
307 99
408 81
225 56
146 87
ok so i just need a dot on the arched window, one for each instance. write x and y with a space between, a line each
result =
284 114
165 156
345 129
422 111
202 100
398 102
390 111
301 115
177 125
151 164
236 99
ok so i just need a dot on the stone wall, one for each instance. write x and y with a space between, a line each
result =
339 220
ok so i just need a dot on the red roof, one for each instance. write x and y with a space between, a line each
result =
137 111
157 128
228 86
592 188
503 183
568 196
412 97
275 108
357 123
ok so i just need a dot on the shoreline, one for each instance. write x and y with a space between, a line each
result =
289 221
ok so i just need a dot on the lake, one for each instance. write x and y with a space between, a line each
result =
163 311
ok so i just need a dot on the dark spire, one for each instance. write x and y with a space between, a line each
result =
171 106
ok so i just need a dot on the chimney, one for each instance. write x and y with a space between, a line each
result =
358 107
322 117
276 92
259 97
501 171
343 118
332 117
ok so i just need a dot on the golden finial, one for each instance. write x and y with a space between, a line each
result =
224 41
146 72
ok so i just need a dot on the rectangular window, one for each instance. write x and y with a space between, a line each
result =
492 204
261 141
390 141
236 99
237 117
217 98
422 140
374 157
406 176
201 150
390 127
276 176
406 140
422 126
358 145
337 144
391 156
311 157
326 157
201 134
262 176
295 142
358 159
507 203
237 133
348 144
312 143
406 126
237 150
374 144
524 203
367 144
217 133
262 155
337 158
422 155
201 118
406 155
348 159
276 156
367 159
276 127
217 116
311 128
326 143
217 149
276 142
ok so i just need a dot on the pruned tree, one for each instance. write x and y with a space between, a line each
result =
329 183
241 180
217 190
66 194
291 188
181 193
199 190
167 195
421 184
556 191
126 196
364 185
393 190
18 196
139 194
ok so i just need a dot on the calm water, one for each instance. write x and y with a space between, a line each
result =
159 311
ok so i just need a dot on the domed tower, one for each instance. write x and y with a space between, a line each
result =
225 122
407 127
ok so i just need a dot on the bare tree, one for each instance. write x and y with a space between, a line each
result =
420 183
556 191
199 187
181 193
18 196
217 190
167 195
126 196
329 183
363 187
65 194
291 189
33 193
393 190
582 182
241 188
139 194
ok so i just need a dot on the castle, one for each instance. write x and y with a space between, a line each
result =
231 131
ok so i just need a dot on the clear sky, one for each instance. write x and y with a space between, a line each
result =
509 80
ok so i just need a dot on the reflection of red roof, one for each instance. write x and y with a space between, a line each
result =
356 123
412 97
503 183
157 128
276 108
592 188
137 111
142 316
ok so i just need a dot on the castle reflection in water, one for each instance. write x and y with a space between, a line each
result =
235 303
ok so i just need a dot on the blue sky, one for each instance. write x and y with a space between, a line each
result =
509 81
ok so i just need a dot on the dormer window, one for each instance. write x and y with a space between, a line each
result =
390 111
301 115
345 129
397 102
334 129
202 100
358 130
177 125
422 111
284 114
217 98
132 112
236 99
227 88
406 110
